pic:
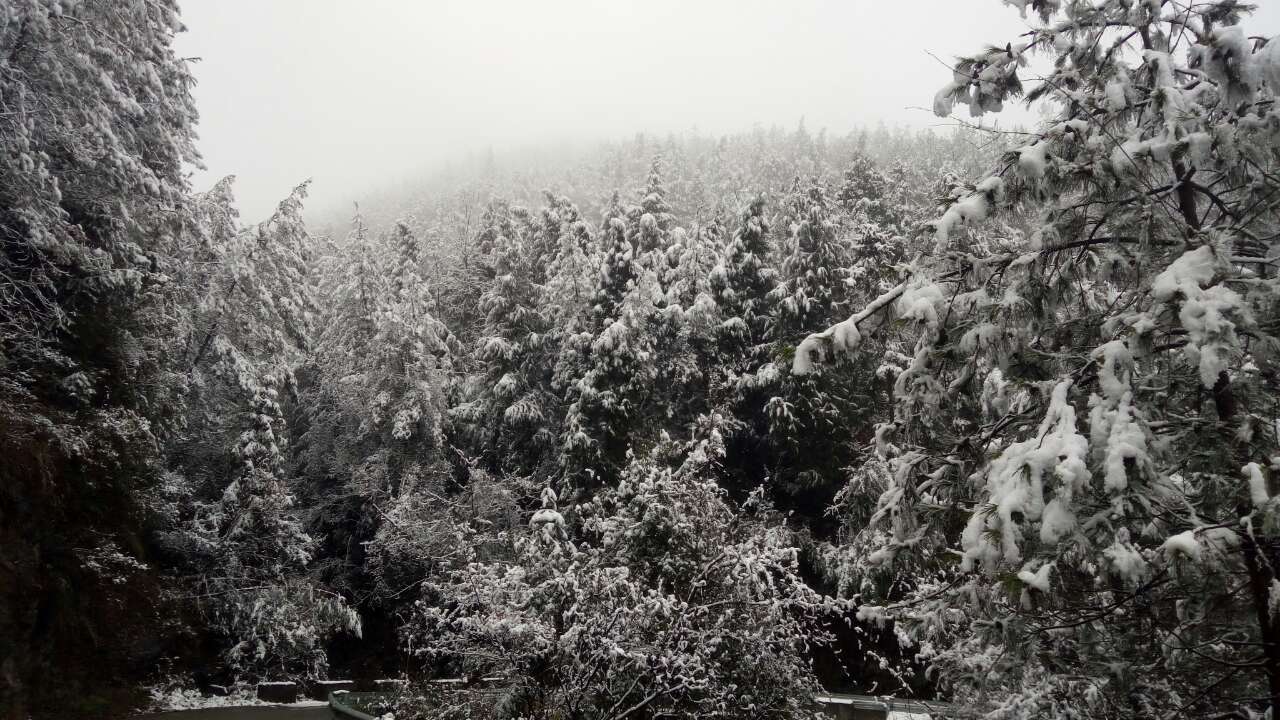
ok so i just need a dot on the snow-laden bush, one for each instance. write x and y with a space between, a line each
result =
655 598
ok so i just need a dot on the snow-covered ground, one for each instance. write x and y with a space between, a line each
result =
164 699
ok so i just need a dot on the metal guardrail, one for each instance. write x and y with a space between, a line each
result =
341 704
864 705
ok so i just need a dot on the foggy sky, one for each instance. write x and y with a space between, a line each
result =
359 93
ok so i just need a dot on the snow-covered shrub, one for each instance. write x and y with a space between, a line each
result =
655 598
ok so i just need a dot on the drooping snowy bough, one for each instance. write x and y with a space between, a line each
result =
1076 482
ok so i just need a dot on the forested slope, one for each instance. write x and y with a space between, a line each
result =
673 426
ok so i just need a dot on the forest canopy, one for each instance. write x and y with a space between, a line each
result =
681 425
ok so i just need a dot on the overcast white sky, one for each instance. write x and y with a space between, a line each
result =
359 93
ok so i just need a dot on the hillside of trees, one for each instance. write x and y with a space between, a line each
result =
676 426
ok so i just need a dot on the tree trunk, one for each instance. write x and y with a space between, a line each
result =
1260 578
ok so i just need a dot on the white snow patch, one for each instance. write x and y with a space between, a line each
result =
1257 485
1039 579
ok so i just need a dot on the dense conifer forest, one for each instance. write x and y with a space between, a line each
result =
678 425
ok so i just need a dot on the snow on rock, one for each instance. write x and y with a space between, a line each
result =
178 698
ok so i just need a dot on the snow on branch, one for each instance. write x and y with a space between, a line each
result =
843 336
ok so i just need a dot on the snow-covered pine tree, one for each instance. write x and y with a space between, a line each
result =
619 266
1075 485
742 281
254 590
407 363
813 421
650 222
812 287
254 316
612 403
338 464
249 330
247 316
688 324
571 275
509 409
94 139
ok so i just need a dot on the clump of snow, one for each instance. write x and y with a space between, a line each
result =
1038 579
974 207
874 613
1115 429
1228 60
1257 484
1057 521
1031 160
919 302
1016 484
1126 561
1124 156
1183 544
995 394
1020 4
547 516
1202 545
1205 310
1199 145
802 363
1117 91
1115 369
1126 442
845 336
1191 271
1161 65
945 99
